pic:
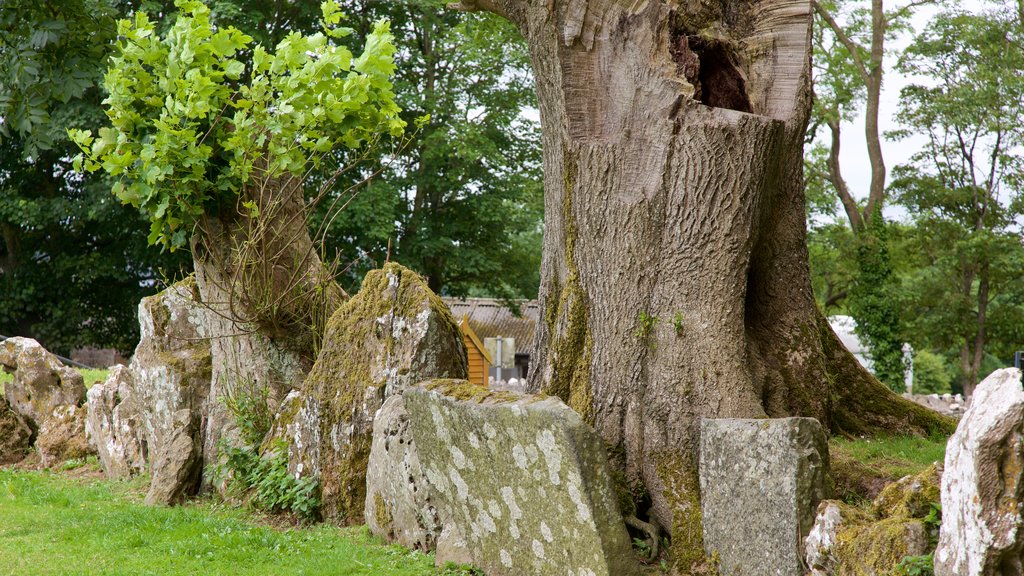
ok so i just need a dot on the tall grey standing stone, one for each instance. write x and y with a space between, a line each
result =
520 483
982 493
760 482
42 383
170 384
114 425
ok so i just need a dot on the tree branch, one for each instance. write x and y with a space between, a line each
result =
835 176
846 41
479 5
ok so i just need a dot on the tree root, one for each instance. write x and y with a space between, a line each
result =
651 529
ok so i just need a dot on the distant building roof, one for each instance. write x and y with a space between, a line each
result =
490 318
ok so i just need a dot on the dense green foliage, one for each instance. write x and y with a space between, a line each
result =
52 524
931 376
873 302
73 261
461 203
265 483
192 126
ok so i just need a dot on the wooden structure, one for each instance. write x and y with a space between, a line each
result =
479 359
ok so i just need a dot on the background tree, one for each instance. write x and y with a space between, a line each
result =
964 187
849 67
461 203
73 260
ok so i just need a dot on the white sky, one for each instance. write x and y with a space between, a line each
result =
853 155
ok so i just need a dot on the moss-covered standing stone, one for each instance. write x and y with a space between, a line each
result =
394 333
520 481
851 541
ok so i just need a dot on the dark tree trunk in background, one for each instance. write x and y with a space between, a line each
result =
675 283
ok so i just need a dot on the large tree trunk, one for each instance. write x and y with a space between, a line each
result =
268 298
675 283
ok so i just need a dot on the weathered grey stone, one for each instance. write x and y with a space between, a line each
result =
983 485
398 499
15 435
169 385
520 483
114 425
851 540
41 382
391 335
760 483
62 436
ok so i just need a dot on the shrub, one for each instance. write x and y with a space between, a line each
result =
931 376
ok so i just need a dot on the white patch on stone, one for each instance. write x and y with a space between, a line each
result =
460 485
519 455
489 431
822 537
474 441
494 508
581 508
552 455
458 458
484 519
545 531
506 558
538 549
439 425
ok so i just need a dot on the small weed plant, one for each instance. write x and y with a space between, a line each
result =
916 566
262 478
267 481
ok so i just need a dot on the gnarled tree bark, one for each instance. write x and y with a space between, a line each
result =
675 283
268 297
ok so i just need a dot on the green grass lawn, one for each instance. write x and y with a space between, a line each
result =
896 457
55 524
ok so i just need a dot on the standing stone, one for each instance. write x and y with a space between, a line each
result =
62 436
391 335
170 383
114 425
41 382
760 482
983 485
15 435
399 503
520 483
851 540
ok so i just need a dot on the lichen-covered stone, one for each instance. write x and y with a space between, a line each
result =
983 484
169 385
399 503
851 541
391 335
62 436
520 483
760 483
41 382
114 425
15 435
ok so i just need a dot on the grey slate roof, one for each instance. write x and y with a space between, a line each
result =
489 318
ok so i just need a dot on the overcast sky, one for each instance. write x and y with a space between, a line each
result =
853 151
